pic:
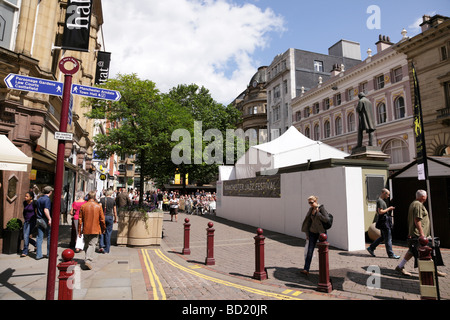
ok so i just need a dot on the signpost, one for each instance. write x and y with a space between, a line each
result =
25 83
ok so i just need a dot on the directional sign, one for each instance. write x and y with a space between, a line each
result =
25 83
97 93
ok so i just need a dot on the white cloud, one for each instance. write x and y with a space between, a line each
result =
415 27
173 42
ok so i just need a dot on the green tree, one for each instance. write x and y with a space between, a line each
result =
146 120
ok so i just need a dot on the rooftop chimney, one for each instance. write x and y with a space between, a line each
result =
336 70
425 25
383 43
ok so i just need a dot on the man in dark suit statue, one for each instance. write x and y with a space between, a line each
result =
365 115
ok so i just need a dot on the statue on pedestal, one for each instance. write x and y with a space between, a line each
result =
365 116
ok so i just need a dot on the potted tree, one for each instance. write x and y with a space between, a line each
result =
11 236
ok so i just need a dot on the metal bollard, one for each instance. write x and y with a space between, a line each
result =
187 230
66 273
324 268
260 272
428 290
210 245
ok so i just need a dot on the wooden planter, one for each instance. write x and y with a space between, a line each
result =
139 229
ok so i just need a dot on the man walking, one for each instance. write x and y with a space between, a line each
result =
419 226
122 199
91 223
384 223
43 220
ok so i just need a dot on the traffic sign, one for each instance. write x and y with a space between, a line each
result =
98 93
25 83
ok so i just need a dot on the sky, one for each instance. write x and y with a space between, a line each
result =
219 44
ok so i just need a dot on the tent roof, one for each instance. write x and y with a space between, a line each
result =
290 140
11 158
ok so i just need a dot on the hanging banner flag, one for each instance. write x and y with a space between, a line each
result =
102 72
422 163
77 26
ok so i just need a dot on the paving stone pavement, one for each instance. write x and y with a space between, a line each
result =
163 273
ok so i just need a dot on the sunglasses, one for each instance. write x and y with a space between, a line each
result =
310 202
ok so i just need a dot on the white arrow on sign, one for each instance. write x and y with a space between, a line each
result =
98 93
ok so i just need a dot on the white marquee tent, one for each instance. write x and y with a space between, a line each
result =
11 158
291 148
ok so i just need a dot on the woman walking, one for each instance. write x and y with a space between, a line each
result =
29 216
75 212
313 227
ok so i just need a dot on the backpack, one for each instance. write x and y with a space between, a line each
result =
327 225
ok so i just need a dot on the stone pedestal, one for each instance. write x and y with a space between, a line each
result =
368 153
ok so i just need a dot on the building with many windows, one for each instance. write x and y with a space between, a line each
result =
327 112
31 45
430 53
295 72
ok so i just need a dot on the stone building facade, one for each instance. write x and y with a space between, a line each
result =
430 53
33 33
296 71
328 111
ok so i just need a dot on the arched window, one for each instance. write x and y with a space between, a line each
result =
307 132
381 113
338 126
316 132
400 109
327 129
351 122
398 150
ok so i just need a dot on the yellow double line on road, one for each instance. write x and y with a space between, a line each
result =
200 275
154 279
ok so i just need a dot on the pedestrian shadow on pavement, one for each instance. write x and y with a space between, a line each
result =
6 275
294 279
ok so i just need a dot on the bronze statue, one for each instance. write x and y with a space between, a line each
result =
365 116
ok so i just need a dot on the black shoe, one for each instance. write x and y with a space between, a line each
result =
371 252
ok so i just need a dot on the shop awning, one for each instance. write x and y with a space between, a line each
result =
11 158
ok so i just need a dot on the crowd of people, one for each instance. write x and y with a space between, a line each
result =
93 215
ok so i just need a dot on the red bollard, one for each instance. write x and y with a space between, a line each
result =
428 289
210 245
324 268
187 230
260 272
66 273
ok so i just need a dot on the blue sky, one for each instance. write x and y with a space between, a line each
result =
220 44
317 25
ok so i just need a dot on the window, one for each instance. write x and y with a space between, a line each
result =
400 111
316 132
350 94
307 132
444 53
326 104
447 94
381 113
8 22
316 108
364 87
298 116
307 112
351 122
276 92
327 129
318 66
398 150
338 99
338 125
398 74
380 82
285 86
276 113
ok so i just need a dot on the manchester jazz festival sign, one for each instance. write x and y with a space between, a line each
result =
258 187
